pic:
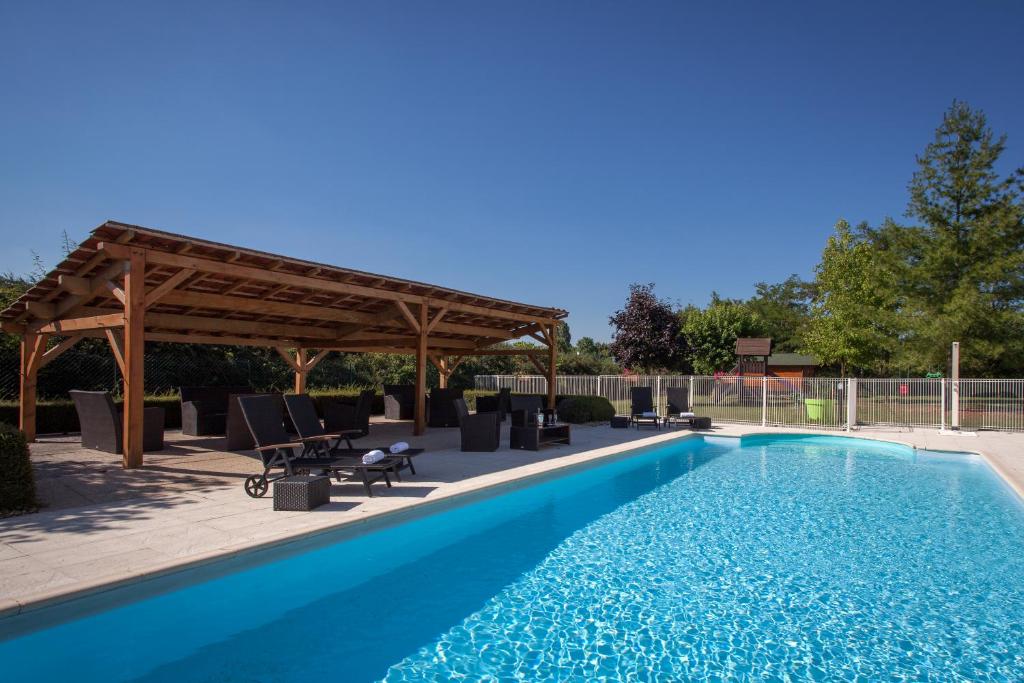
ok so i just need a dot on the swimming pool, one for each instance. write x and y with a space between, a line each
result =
811 557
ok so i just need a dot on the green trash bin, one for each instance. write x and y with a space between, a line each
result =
817 408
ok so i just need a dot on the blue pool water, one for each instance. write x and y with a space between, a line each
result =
775 559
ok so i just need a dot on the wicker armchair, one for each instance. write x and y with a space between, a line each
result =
481 432
101 423
343 417
441 408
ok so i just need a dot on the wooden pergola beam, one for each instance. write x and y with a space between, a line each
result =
62 346
134 356
165 287
89 322
304 281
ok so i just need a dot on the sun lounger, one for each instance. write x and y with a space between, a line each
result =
642 410
317 440
277 451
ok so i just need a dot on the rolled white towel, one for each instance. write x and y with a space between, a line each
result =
399 447
373 456
687 414
648 413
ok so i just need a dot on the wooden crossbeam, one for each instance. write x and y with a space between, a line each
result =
414 324
91 322
73 284
537 364
154 295
435 320
288 358
315 360
58 349
116 341
116 290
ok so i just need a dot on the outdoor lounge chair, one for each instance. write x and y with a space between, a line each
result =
481 432
101 423
277 451
678 406
642 407
316 440
354 419
441 409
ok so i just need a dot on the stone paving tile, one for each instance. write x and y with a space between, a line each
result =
114 565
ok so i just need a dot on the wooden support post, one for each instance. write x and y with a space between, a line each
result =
301 370
552 370
134 356
32 348
420 416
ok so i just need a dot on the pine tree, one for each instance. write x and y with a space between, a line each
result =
967 278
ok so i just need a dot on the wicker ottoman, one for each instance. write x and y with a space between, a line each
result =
620 421
702 423
301 492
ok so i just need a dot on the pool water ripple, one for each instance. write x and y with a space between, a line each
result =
779 562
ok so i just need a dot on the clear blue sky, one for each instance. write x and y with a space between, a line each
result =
546 152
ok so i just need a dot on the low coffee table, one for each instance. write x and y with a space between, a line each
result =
532 438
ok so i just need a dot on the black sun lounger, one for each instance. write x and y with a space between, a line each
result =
315 438
277 451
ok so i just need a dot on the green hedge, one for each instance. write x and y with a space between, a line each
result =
579 409
17 486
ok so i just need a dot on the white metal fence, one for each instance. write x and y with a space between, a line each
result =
827 403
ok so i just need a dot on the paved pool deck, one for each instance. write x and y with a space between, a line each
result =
102 526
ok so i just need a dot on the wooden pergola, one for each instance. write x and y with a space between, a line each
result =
131 285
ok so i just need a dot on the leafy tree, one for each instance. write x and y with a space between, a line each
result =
711 333
646 334
966 271
784 310
852 314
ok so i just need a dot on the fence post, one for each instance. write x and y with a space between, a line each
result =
942 405
851 403
657 394
689 384
764 400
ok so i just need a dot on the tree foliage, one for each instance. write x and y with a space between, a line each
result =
711 333
783 310
646 336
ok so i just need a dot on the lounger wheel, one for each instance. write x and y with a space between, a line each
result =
256 486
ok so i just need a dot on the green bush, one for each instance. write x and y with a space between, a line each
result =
17 486
579 409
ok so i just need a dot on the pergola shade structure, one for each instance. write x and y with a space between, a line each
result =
131 285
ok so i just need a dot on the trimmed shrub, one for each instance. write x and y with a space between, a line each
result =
579 409
17 486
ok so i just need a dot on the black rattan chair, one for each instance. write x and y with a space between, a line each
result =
204 410
499 403
441 409
354 419
101 423
481 432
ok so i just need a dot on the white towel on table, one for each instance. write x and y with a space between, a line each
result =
687 414
648 413
373 456
399 447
